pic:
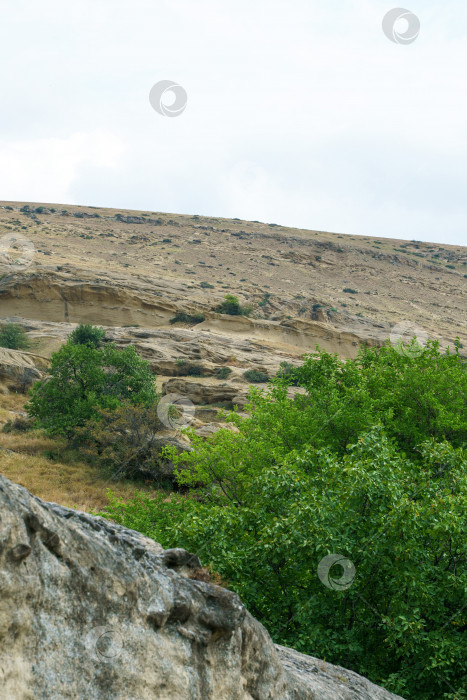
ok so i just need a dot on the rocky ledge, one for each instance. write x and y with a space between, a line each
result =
92 610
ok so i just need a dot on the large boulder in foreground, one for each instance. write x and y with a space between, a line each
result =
91 610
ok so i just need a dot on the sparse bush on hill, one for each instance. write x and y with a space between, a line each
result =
188 369
181 317
255 376
14 337
223 372
370 465
231 307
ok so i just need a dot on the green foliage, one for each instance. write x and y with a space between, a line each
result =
181 317
206 285
255 376
369 463
84 379
415 392
13 337
349 290
124 441
401 620
86 334
231 307
223 372
288 372
265 299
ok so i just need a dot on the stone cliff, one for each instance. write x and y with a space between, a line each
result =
91 610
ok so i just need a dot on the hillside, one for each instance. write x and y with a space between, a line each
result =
118 268
332 505
132 272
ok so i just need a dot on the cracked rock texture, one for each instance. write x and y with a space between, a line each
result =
92 610
18 371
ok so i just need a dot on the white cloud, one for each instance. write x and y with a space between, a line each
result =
46 169
342 129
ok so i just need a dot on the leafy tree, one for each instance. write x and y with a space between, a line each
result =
368 462
14 337
84 379
287 372
86 334
414 398
400 617
415 392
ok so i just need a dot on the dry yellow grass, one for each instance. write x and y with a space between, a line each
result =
73 484
10 402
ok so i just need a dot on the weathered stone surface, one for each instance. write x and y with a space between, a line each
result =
91 610
18 371
201 393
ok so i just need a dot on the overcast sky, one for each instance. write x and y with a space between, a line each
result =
299 112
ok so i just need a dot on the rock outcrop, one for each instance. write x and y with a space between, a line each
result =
89 609
18 371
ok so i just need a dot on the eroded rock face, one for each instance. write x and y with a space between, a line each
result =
91 610
18 371
201 393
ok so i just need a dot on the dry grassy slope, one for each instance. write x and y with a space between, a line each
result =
131 271
119 268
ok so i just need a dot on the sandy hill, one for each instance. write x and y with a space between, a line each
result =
133 271
122 268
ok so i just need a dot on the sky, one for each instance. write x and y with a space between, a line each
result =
298 112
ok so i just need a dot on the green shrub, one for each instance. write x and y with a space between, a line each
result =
14 337
231 307
255 376
223 372
349 290
288 372
265 299
124 442
187 369
206 285
86 334
85 379
192 319
18 425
